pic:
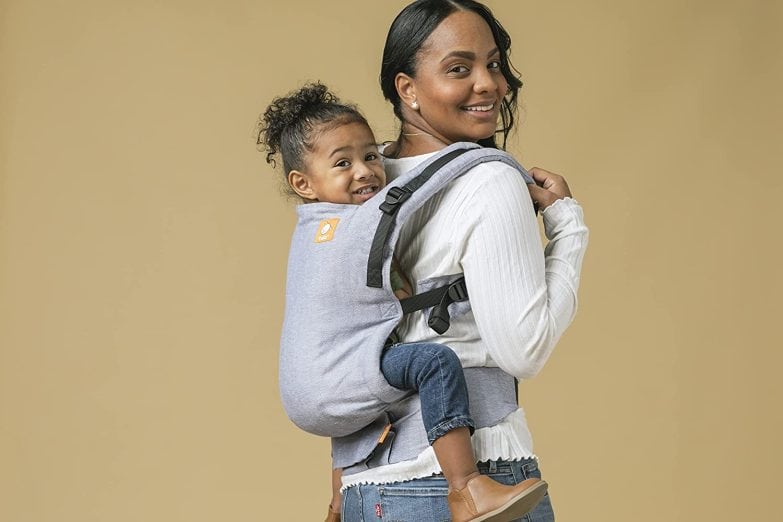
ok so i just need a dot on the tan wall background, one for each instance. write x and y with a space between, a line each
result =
143 245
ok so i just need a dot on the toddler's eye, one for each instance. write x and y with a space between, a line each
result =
372 156
343 163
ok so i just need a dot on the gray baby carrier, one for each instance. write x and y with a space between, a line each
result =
340 308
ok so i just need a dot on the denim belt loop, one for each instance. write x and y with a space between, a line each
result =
493 466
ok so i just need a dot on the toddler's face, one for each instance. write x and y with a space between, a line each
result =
344 166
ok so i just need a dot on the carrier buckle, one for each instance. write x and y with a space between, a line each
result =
440 319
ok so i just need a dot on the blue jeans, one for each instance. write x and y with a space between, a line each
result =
424 499
434 371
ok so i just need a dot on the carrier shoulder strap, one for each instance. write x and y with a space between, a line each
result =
439 298
395 197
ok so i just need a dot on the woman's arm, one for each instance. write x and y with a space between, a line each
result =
522 296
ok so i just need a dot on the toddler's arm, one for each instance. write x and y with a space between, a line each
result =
399 283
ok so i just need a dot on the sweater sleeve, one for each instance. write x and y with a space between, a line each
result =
523 296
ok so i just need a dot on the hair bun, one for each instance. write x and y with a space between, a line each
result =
295 106
288 110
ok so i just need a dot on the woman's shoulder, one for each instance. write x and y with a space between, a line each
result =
495 170
486 179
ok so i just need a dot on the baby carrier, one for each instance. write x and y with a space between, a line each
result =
340 308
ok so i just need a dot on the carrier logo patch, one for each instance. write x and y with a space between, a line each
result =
326 230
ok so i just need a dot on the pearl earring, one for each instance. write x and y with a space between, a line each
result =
415 105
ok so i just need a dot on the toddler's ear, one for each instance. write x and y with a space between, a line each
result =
301 184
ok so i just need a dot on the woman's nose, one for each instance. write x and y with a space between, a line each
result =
485 82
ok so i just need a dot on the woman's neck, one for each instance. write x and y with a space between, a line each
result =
413 142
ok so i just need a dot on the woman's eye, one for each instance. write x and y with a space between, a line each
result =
458 69
494 65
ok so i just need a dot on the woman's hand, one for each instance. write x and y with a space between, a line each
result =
549 187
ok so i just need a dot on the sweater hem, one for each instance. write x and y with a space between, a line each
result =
507 440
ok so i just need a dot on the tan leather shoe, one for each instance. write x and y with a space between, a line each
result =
331 516
483 499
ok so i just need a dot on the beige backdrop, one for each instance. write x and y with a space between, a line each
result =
143 245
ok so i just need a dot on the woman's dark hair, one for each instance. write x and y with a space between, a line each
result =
414 25
288 124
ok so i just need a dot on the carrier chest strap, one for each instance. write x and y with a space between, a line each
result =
439 298
395 197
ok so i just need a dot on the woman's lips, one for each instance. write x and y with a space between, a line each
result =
480 108
483 111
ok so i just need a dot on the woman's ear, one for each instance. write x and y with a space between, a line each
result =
405 88
301 184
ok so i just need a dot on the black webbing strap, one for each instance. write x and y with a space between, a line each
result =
439 298
395 197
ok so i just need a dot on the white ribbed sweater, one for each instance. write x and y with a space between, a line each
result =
522 296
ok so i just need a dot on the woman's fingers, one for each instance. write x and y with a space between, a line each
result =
541 197
539 175
549 187
551 181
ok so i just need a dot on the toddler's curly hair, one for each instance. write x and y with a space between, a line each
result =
291 123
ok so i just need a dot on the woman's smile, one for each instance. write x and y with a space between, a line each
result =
483 111
480 108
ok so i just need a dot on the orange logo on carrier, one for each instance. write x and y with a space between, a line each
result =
326 230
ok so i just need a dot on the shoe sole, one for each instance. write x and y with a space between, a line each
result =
518 506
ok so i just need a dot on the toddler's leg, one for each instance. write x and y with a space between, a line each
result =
435 372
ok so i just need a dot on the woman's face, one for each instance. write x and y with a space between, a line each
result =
458 83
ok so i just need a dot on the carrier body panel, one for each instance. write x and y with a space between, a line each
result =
335 325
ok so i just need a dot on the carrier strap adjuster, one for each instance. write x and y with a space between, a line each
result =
457 291
394 198
439 299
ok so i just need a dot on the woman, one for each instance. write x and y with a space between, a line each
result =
446 72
